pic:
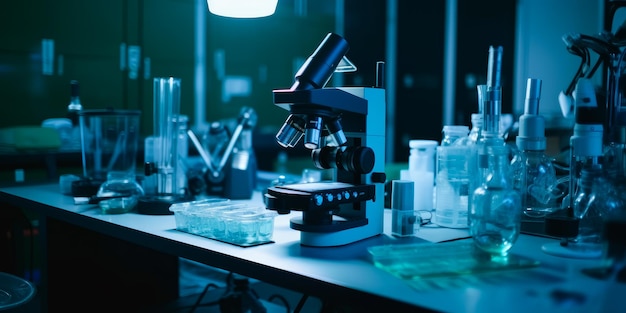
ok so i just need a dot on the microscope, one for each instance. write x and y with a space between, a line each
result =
345 130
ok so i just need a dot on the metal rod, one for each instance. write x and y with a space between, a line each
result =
203 154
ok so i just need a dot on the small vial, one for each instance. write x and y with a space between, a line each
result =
404 220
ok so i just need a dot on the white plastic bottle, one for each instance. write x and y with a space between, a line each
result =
422 172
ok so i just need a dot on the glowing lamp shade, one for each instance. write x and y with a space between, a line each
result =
242 8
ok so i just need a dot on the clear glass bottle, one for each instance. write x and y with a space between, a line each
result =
535 178
495 209
589 214
454 171
533 172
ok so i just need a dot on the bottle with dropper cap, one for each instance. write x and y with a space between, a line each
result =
75 106
73 110
533 172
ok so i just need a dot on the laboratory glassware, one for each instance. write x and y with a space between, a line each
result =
533 172
495 209
109 140
455 160
119 193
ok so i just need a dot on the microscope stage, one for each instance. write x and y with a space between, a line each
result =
316 196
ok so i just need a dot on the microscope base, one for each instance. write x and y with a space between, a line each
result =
335 225
338 238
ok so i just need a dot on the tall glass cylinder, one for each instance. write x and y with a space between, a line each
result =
166 109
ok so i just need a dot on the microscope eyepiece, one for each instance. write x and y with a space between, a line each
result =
320 66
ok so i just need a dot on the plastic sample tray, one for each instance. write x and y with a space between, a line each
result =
225 220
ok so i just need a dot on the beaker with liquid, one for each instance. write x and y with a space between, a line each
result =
109 140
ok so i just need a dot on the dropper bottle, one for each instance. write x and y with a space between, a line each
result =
73 111
533 172
75 106
477 125
586 148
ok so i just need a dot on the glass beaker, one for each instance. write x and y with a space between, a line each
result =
109 140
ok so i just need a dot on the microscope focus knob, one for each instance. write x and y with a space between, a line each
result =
358 159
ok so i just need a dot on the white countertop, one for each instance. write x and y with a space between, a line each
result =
556 285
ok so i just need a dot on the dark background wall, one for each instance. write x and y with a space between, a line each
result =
420 59
92 40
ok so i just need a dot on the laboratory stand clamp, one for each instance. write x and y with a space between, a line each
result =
228 171
344 128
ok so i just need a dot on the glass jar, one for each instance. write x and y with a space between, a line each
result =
454 135
495 209
455 164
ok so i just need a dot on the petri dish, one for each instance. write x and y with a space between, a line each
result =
14 291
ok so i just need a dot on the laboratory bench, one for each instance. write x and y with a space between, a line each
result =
130 261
